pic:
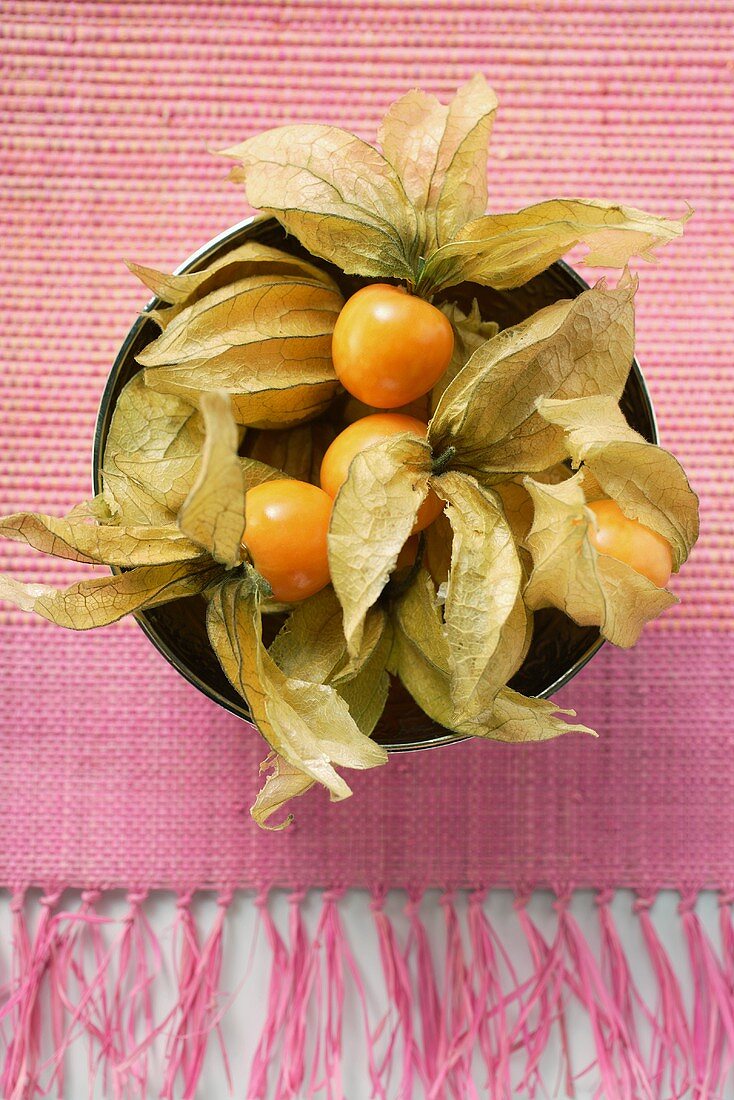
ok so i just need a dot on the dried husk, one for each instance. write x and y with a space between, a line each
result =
470 333
420 657
486 620
213 514
373 515
103 600
284 783
647 482
265 340
106 544
488 413
249 258
440 154
311 644
152 455
507 250
591 588
335 193
306 723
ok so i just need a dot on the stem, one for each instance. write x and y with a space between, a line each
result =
262 586
440 463
258 582
423 288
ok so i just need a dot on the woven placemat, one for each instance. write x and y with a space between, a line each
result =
108 116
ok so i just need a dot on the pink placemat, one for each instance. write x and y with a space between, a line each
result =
113 770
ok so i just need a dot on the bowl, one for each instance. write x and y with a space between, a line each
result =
560 648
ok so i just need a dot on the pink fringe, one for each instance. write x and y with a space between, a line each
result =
457 1047
378 1091
713 1011
671 1058
139 964
615 968
89 1014
329 943
429 1003
199 974
331 935
620 1068
492 1004
400 999
71 978
277 1004
303 967
489 1029
19 1078
726 933
544 1002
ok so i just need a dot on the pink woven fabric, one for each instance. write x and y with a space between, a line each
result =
113 770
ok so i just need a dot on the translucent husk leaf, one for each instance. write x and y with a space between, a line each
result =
593 589
486 621
250 258
470 332
440 153
647 482
506 250
518 504
383 216
421 659
516 718
103 600
213 514
108 544
567 350
365 690
335 193
271 398
374 512
365 693
267 343
97 509
298 451
438 540
284 783
311 645
152 454
256 311
308 724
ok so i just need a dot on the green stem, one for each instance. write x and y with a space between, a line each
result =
440 463
258 582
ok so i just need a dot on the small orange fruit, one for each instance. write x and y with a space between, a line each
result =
362 434
632 542
408 554
286 525
390 347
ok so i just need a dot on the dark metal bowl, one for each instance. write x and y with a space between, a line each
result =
559 648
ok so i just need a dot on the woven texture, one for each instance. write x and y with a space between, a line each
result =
113 770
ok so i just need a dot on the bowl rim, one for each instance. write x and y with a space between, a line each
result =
104 414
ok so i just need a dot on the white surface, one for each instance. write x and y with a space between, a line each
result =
247 964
